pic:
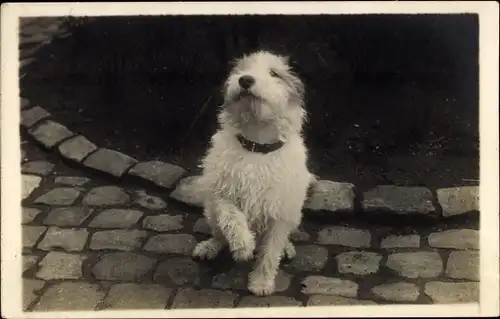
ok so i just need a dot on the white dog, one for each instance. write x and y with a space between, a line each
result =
255 177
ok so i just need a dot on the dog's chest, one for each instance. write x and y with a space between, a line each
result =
257 183
247 174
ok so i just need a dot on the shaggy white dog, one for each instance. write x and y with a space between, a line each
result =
254 176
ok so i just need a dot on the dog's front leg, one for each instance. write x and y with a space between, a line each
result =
210 248
261 280
233 225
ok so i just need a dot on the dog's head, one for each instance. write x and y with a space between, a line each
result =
262 89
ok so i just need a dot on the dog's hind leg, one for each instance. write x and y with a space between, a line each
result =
233 225
275 242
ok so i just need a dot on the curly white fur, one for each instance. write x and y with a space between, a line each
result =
254 200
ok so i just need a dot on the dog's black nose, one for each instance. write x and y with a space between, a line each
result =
246 81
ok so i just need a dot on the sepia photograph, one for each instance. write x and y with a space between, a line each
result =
256 158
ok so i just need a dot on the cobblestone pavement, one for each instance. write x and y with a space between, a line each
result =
91 244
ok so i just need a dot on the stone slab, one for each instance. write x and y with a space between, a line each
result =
162 174
109 161
188 192
458 200
50 133
331 196
30 117
76 148
401 200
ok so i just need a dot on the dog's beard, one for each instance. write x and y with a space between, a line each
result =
250 111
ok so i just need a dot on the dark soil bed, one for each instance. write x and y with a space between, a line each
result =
385 107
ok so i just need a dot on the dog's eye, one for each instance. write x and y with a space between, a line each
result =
274 74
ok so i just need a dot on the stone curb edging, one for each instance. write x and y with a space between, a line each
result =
326 197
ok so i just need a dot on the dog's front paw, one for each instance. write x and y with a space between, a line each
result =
243 254
259 285
206 250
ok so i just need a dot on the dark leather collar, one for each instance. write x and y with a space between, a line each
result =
258 148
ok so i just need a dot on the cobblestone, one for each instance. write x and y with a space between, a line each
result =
398 200
181 244
71 296
455 239
150 202
344 236
179 271
309 258
162 174
416 264
29 184
235 279
325 300
458 200
31 288
400 291
50 133
37 167
106 195
393 241
122 266
140 267
187 192
77 148
331 196
116 218
68 239
202 227
58 265
358 262
31 234
163 223
135 296
205 298
29 214
32 116
118 239
67 216
71 180
109 161
282 281
313 285
61 196
270 301
24 103
452 292
463 265
299 236
29 261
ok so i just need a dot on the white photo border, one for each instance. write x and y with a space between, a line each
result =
489 153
